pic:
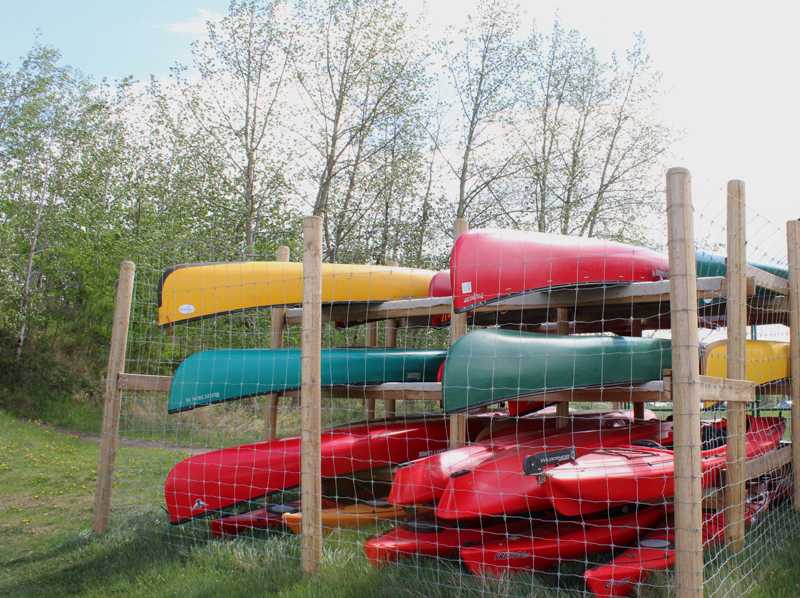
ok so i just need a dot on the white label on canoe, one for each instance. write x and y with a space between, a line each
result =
186 309
466 287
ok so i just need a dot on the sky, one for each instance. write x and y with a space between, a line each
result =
729 70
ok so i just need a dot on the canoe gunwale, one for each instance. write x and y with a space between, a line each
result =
576 286
560 389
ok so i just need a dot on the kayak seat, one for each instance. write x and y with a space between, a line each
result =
647 443
712 437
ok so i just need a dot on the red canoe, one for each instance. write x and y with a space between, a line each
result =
609 477
489 265
271 516
426 479
206 483
552 542
656 552
500 486
440 285
429 537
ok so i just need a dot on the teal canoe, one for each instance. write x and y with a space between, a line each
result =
226 375
709 264
488 366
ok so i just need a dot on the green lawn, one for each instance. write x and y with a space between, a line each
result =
47 548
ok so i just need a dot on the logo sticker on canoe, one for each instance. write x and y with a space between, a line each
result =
199 504
466 287
534 464
186 309
510 556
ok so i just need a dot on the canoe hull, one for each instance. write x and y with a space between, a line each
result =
426 480
489 265
488 366
357 516
211 377
432 538
475 493
553 542
605 478
191 292
207 483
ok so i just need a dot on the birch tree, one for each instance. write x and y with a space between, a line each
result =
361 77
233 112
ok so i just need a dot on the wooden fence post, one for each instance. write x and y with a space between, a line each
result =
111 408
275 342
310 423
736 366
562 328
793 234
390 405
458 328
370 340
685 380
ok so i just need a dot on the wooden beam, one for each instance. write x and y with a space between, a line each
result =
277 327
622 297
111 407
144 382
726 389
389 405
793 240
758 278
736 358
458 328
685 378
310 416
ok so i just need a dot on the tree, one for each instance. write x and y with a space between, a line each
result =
590 147
362 81
484 75
233 113
49 116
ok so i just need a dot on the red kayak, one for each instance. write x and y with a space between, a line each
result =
552 542
207 483
426 479
656 552
489 265
614 476
429 537
509 481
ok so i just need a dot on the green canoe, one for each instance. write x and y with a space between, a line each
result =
709 264
488 366
226 375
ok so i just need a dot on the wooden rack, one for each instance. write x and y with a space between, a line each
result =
644 304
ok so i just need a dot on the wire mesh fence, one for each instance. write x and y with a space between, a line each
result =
568 478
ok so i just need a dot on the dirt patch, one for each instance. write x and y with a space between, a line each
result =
128 442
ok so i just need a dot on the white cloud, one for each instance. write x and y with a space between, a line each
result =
195 26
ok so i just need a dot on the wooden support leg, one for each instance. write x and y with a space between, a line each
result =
111 408
736 367
685 385
275 342
793 230
562 329
310 395
458 328
371 340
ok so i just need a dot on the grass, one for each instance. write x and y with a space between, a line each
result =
46 548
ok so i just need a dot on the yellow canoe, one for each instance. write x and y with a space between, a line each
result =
358 515
195 291
767 361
